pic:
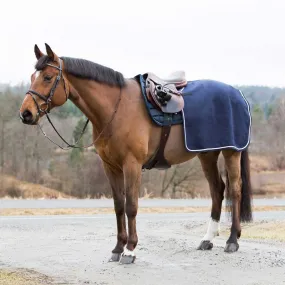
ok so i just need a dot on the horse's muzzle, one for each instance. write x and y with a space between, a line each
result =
28 118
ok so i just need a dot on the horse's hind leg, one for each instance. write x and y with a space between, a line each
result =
217 187
116 180
233 167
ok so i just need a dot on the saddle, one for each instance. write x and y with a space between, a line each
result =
163 93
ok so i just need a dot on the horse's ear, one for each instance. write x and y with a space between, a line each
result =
38 53
50 53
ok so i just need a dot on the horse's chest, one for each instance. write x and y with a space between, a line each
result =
108 153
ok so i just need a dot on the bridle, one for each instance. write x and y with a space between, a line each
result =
47 103
47 99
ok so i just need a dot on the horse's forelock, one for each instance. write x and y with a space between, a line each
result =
42 62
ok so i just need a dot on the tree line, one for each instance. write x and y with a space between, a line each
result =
28 156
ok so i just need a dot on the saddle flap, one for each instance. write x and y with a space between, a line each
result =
175 105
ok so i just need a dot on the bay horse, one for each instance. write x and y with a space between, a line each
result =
125 139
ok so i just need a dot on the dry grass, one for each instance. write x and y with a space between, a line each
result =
269 184
266 183
147 195
260 163
22 277
93 211
96 211
273 230
11 187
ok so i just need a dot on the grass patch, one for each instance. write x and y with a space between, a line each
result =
14 188
22 277
95 211
265 230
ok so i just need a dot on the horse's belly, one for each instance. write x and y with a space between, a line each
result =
175 151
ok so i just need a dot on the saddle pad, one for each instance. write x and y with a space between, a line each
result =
157 116
215 116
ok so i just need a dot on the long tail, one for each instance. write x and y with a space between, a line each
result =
246 190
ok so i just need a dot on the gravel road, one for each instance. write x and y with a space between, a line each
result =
76 249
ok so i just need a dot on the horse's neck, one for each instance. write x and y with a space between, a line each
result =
97 101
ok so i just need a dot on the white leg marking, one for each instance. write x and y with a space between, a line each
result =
128 252
127 257
213 230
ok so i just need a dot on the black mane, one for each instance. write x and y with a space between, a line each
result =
87 70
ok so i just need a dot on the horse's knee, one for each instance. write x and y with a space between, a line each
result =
131 211
120 210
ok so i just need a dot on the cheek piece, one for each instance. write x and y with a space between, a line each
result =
46 105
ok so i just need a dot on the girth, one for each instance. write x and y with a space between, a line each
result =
158 160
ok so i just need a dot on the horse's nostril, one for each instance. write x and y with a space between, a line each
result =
27 116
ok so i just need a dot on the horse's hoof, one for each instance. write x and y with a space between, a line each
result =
205 245
231 247
127 257
115 257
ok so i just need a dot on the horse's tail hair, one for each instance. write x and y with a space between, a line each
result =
246 189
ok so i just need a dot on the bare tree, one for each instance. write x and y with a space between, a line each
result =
277 138
181 179
6 114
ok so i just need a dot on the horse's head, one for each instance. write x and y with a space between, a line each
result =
49 87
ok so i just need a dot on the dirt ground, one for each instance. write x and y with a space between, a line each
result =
75 250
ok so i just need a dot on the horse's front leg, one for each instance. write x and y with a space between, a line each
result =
132 180
116 180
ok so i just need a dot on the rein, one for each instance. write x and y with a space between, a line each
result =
47 102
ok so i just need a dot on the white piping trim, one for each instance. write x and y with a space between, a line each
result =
222 147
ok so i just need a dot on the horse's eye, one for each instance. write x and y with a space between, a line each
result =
47 78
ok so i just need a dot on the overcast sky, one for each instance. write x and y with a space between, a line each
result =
237 42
